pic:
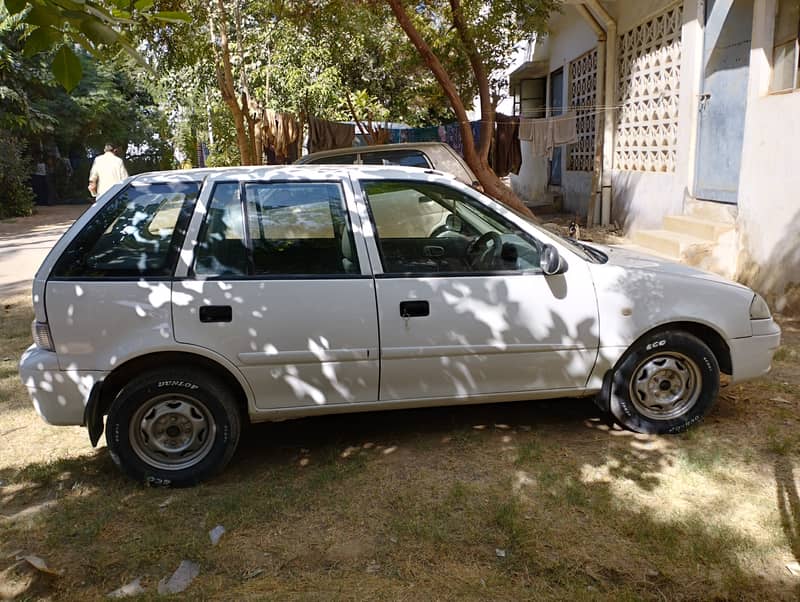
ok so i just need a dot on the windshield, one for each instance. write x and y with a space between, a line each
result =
586 252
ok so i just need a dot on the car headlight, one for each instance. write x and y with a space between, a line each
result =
759 310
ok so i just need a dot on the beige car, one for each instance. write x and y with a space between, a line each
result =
427 155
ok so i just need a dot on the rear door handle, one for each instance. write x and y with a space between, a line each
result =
216 313
414 309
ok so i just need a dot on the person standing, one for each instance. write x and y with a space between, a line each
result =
107 170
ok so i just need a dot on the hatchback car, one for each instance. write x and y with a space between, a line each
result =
426 155
182 304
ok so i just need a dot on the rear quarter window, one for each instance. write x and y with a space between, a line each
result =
137 233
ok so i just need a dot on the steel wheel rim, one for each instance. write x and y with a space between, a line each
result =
172 432
665 386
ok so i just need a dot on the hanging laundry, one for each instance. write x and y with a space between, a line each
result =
327 135
453 137
565 129
507 153
539 132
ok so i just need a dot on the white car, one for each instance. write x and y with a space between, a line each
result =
184 303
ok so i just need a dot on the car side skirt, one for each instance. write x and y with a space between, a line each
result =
278 414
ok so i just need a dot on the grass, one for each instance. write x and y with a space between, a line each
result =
415 505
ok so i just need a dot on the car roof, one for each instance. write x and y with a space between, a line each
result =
373 148
291 173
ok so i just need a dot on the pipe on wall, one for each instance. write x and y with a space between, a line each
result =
608 23
593 214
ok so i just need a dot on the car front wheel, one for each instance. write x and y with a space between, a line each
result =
173 428
667 382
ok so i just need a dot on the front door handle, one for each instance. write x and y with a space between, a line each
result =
216 313
414 309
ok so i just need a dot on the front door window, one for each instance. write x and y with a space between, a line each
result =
430 228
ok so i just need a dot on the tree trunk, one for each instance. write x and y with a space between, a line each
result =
477 159
224 72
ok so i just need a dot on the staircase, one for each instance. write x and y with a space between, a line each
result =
699 241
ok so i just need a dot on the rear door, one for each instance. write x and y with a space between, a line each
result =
464 309
280 285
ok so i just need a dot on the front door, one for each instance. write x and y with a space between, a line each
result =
556 108
278 287
723 98
463 307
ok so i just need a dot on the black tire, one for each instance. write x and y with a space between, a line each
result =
664 384
188 427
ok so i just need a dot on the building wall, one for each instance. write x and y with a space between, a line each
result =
569 38
768 223
641 199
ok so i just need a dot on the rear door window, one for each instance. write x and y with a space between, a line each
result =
281 229
407 158
138 233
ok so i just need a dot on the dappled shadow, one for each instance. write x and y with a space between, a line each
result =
788 503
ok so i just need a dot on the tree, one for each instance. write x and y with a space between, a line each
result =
485 34
61 25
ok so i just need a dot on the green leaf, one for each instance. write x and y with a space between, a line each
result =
43 17
172 16
15 6
98 33
67 68
41 39
143 5
69 4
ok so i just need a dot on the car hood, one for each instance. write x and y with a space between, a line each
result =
619 256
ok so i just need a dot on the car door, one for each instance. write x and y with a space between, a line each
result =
280 285
463 307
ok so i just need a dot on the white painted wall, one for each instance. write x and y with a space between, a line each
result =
569 38
768 222
642 199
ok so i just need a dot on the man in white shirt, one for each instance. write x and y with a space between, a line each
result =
107 170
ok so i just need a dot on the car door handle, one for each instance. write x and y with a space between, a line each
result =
216 313
414 309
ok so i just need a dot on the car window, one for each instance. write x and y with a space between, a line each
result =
222 249
349 159
300 228
433 228
408 158
137 233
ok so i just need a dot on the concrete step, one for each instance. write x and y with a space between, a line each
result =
705 229
668 243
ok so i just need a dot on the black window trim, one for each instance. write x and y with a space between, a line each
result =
252 276
173 253
482 274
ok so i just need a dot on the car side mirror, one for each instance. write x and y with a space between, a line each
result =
551 262
453 223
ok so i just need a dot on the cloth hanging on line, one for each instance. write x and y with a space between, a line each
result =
507 153
565 129
546 133
327 135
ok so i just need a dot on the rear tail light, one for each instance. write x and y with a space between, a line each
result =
41 336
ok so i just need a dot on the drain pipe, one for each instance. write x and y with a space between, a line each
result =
610 77
593 213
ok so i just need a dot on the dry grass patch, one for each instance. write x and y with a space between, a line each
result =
512 501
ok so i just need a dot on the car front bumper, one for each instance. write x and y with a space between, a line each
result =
59 396
751 356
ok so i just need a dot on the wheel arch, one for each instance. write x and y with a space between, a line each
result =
122 374
709 335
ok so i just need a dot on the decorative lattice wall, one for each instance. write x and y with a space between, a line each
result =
648 88
582 99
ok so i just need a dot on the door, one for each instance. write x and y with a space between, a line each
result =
279 287
463 308
723 98
556 108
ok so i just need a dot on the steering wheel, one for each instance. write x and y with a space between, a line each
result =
484 250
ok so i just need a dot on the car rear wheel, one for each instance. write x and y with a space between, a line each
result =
664 384
173 428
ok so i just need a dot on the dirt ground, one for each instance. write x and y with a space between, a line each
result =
523 501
